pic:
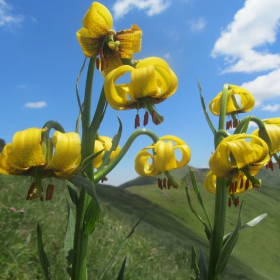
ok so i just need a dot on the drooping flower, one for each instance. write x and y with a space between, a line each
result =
103 143
97 37
152 81
234 156
239 100
163 156
28 154
236 186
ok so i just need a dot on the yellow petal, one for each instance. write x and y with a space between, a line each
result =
234 153
98 20
27 149
67 154
239 100
90 46
210 182
142 165
7 162
130 41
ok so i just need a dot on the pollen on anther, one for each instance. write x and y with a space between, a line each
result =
137 121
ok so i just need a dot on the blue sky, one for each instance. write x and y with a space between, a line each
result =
219 42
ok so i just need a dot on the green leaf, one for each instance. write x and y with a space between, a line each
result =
204 109
80 181
121 273
120 246
202 266
228 248
89 159
242 127
69 238
252 223
92 215
42 255
72 192
194 265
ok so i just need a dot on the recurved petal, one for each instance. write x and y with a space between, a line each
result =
27 149
164 156
130 41
117 95
90 46
142 165
98 20
7 162
210 182
67 154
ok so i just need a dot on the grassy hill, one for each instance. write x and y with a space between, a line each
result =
160 246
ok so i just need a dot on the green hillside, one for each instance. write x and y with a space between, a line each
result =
159 248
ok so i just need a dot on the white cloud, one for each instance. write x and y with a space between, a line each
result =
265 87
39 104
197 25
152 7
6 18
245 41
166 56
271 108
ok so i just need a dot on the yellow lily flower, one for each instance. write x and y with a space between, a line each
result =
273 131
235 153
163 156
239 100
28 155
237 185
97 37
152 81
103 143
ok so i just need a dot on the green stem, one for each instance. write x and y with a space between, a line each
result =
79 265
102 173
216 242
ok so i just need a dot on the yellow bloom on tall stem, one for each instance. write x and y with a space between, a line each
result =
97 37
239 100
163 156
29 154
152 81
235 153
103 143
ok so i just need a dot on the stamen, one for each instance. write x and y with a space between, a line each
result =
168 183
137 121
30 191
236 202
241 183
235 186
146 118
164 183
159 183
49 192
235 123
247 183
104 179
97 63
229 202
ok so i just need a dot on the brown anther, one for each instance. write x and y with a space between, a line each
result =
137 121
97 61
229 124
235 123
159 183
235 186
236 202
102 65
146 118
169 183
49 192
271 166
229 202
104 179
241 183
279 163
42 197
247 183
101 53
164 183
30 191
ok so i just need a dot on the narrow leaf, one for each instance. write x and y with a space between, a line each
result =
89 159
252 223
72 192
69 237
121 273
42 254
228 248
92 215
202 266
80 181
194 265
242 127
